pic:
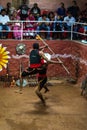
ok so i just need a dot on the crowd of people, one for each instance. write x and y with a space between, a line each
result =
56 24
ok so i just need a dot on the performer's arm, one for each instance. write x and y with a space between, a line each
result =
55 62
43 56
49 61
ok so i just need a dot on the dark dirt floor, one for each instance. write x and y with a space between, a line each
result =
65 108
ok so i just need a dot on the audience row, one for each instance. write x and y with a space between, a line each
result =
26 22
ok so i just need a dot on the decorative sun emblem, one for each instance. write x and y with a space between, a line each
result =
4 57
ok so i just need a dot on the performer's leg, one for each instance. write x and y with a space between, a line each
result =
44 79
44 84
29 71
38 89
46 89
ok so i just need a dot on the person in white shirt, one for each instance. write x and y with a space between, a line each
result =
69 21
4 22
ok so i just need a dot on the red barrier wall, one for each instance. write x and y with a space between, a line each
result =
71 53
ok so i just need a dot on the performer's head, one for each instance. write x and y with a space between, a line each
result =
36 46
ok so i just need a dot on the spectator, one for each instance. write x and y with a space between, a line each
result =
51 18
57 27
30 26
85 31
82 18
61 11
4 19
51 15
16 26
69 21
43 24
82 28
35 10
24 10
74 9
15 15
9 9
84 13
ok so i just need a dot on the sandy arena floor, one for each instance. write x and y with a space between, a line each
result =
65 109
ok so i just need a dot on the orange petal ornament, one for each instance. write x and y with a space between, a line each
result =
4 57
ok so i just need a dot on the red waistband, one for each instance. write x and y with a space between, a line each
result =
35 65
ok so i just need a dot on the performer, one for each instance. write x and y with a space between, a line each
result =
35 60
38 64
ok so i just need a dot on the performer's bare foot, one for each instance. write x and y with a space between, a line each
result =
47 90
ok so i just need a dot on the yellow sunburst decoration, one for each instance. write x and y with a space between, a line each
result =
4 57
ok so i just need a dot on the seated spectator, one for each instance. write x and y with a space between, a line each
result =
76 28
84 13
82 18
30 26
16 26
74 9
4 24
79 31
24 10
57 27
35 10
85 31
43 24
61 11
80 28
51 18
69 22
